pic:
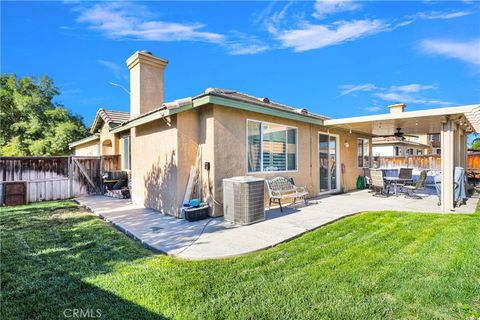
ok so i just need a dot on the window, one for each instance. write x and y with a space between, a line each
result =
363 153
125 147
398 151
271 147
409 152
419 152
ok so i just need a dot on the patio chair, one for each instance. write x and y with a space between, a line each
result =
280 188
368 178
378 183
412 189
405 176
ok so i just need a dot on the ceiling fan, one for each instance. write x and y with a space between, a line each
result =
399 135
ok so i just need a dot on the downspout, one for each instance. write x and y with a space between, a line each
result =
311 157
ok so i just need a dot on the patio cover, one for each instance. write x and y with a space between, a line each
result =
453 124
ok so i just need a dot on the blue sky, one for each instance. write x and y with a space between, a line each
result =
337 58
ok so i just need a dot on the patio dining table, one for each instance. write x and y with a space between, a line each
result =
393 181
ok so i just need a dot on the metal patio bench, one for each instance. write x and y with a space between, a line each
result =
280 188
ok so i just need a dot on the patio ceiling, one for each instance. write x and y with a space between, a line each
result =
412 122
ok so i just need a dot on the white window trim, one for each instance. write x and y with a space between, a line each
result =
122 164
261 147
363 148
338 166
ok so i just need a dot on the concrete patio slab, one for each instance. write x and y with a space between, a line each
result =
214 238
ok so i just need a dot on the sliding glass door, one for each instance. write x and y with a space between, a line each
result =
328 163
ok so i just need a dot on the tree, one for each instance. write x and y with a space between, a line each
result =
476 144
31 123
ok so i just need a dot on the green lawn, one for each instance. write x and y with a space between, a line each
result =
373 265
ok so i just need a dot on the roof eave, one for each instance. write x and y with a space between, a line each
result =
410 114
219 100
84 140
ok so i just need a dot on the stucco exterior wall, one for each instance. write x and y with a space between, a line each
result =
154 149
230 151
387 150
91 148
383 151
163 156
188 129
107 138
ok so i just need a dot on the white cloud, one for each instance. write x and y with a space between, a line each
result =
347 89
324 8
411 88
406 98
444 15
130 21
244 49
120 20
244 44
468 51
373 108
410 93
118 71
312 36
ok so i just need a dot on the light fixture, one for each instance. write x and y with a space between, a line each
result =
346 144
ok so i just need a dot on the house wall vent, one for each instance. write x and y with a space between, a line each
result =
244 200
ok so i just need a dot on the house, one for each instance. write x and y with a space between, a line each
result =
103 141
221 133
435 143
400 147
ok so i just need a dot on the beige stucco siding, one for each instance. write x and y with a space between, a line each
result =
109 142
231 151
91 148
154 166
162 156
188 125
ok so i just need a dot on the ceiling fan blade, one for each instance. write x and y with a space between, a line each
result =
384 136
410 135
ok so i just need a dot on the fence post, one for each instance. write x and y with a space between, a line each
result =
70 177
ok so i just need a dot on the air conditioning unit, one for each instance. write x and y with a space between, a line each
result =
244 200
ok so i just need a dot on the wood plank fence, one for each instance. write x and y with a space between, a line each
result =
54 178
425 162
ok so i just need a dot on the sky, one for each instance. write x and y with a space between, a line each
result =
335 58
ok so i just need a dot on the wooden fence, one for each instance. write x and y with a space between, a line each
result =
427 162
473 161
53 178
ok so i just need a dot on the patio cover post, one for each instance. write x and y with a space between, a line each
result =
447 165
464 154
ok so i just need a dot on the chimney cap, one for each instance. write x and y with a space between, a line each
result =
397 108
146 57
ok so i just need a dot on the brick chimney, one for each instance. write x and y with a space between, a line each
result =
397 108
146 82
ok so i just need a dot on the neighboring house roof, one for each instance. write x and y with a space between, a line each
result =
84 140
229 98
112 118
395 140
